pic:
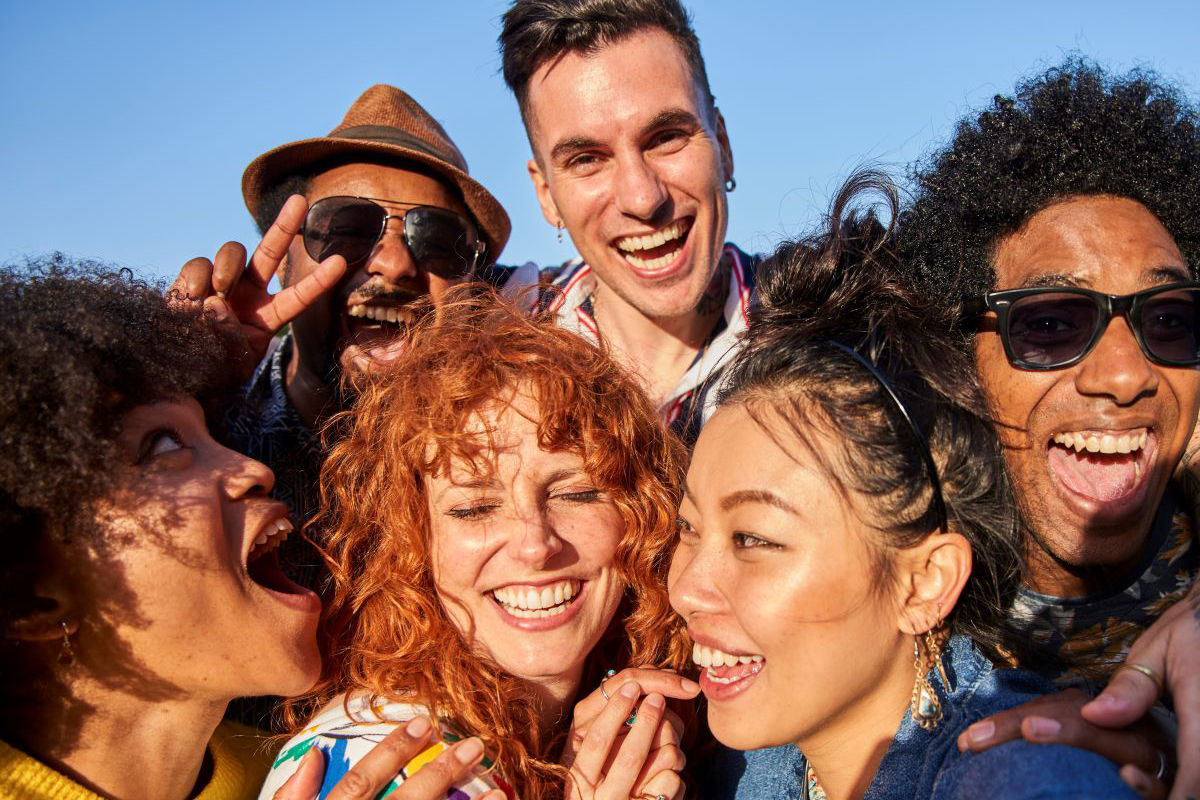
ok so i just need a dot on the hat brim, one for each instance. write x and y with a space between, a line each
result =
274 165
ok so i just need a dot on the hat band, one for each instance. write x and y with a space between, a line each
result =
390 135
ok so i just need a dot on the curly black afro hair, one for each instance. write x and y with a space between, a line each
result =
80 345
1070 131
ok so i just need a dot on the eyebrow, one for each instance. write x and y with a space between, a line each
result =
762 496
1153 276
477 482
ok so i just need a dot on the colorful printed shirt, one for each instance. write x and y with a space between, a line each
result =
1087 638
567 294
347 729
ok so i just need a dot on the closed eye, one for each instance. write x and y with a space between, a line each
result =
580 496
473 513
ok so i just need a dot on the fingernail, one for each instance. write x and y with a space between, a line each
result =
630 690
981 732
655 700
469 750
689 685
418 727
1043 727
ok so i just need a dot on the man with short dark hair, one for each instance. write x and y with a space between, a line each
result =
386 199
631 156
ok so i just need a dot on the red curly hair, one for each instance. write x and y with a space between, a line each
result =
385 631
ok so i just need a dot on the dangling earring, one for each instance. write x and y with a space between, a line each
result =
66 655
730 183
558 227
926 706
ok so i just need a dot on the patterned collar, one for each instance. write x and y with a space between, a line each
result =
571 304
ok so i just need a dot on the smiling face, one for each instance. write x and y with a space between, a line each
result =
631 158
364 318
199 599
1090 509
523 557
773 574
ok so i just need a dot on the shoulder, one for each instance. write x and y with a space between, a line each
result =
767 774
1023 771
344 730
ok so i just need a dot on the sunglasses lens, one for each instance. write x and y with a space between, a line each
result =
1169 323
342 226
441 241
1046 330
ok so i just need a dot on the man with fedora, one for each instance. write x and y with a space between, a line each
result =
360 224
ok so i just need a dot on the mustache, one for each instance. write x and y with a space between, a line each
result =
373 292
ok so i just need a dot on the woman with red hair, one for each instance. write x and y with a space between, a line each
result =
499 511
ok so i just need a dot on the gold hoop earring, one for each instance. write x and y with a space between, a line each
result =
66 655
926 705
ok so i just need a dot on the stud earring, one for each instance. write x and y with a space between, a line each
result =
730 183
66 655
926 706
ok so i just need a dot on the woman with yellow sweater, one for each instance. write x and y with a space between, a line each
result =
139 586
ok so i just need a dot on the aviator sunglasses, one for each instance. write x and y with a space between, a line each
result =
441 242
1054 327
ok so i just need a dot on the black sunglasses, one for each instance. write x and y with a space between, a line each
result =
441 242
1053 327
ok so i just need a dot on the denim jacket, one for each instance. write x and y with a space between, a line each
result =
927 764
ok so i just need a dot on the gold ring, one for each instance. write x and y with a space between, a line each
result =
1143 669
607 675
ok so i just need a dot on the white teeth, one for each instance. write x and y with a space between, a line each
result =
1102 442
630 244
711 657
382 313
534 602
269 539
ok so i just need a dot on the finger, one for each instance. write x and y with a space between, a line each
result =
1147 786
218 308
1128 696
665 682
305 782
665 784
634 750
1005 726
289 303
658 760
592 753
377 768
228 266
1186 694
194 281
276 241
1130 746
435 778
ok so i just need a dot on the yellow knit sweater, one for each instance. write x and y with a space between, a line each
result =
239 765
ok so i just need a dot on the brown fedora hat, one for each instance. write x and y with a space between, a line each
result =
384 120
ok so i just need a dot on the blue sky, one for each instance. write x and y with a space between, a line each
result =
128 124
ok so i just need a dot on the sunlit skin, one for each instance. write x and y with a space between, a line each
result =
538 519
773 560
166 621
1113 245
326 337
626 144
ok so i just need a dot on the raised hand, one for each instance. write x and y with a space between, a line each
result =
609 759
236 292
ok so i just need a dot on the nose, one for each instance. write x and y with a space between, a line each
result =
691 582
391 258
243 476
535 541
1117 367
640 191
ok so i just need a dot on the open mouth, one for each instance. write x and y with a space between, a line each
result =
720 670
537 602
1102 465
262 563
655 252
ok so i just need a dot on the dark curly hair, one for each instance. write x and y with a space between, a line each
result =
846 285
1073 130
80 345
